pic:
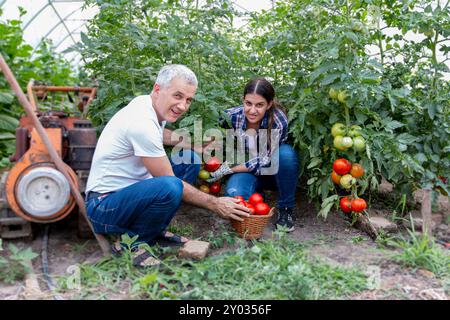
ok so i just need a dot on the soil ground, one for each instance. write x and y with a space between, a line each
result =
333 240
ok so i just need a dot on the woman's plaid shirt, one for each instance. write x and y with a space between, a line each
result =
279 132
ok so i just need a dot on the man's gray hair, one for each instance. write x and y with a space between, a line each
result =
171 71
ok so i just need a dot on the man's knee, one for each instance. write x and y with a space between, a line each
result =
172 187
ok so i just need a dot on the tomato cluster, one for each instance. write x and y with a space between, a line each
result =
347 137
255 203
209 166
345 174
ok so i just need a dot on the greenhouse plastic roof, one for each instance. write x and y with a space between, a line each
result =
61 21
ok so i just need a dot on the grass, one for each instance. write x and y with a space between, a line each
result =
274 269
419 251
185 230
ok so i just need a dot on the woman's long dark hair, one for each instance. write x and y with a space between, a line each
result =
264 88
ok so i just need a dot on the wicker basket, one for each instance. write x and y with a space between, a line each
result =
253 226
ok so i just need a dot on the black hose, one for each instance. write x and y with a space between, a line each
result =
44 259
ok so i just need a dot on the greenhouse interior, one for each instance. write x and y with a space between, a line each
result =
299 150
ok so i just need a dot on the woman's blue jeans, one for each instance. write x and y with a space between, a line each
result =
285 180
144 208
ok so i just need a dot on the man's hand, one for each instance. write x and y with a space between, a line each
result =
229 208
220 173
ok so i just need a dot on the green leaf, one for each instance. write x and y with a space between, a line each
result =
6 136
406 138
431 109
148 279
314 163
327 204
6 97
421 158
8 123
392 125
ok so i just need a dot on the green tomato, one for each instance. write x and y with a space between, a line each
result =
338 129
355 131
337 143
342 96
429 33
357 26
347 181
203 174
359 144
347 142
333 93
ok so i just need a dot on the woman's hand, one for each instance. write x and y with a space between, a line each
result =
223 170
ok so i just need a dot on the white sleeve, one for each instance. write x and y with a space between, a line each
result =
146 139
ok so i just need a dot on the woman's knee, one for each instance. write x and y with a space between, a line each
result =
288 156
240 184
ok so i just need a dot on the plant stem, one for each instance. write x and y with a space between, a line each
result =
380 41
347 115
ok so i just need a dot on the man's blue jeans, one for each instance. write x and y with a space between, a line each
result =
285 180
144 208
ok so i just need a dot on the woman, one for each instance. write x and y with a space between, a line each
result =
260 111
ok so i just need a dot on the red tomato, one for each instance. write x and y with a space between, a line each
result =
357 170
212 164
335 177
358 205
250 207
262 208
342 166
255 199
215 187
346 205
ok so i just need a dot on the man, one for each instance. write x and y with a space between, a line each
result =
133 187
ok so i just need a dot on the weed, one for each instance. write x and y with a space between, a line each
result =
15 266
221 238
357 239
187 230
419 251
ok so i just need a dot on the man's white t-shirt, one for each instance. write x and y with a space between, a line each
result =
133 132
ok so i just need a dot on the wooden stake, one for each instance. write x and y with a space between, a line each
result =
426 213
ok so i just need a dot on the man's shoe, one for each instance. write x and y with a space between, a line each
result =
285 219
